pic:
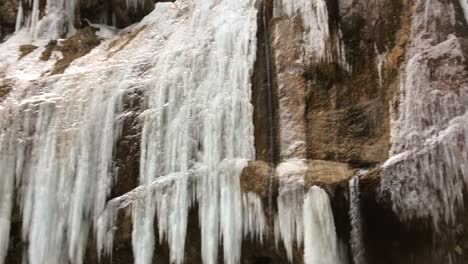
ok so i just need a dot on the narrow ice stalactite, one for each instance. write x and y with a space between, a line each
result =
301 29
464 5
428 169
356 240
320 241
380 62
63 179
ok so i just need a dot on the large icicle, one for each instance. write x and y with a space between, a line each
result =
356 238
57 21
319 43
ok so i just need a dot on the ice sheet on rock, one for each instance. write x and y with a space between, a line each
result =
63 148
289 220
319 40
291 173
428 169
29 67
199 115
57 21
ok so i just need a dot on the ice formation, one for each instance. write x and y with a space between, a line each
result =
321 43
357 243
306 219
314 42
57 138
428 169
58 20
193 68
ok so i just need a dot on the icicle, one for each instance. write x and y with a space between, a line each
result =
19 17
317 35
57 21
464 5
320 241
198 121
356 241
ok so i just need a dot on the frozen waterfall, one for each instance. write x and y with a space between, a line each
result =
191 64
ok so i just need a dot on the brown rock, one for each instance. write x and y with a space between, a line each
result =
327 172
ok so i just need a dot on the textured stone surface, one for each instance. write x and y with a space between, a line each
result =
8 10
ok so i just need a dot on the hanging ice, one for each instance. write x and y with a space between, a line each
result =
57 21
57 139
464 5
320 241
193 67
305 218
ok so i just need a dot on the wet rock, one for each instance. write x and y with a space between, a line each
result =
26 49
8 10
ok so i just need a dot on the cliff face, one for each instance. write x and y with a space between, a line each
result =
145 130
8 10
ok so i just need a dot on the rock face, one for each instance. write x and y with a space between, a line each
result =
340 88
8 11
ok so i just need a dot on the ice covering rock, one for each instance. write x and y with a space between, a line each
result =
428 169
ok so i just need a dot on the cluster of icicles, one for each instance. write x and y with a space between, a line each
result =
193 65
58 19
